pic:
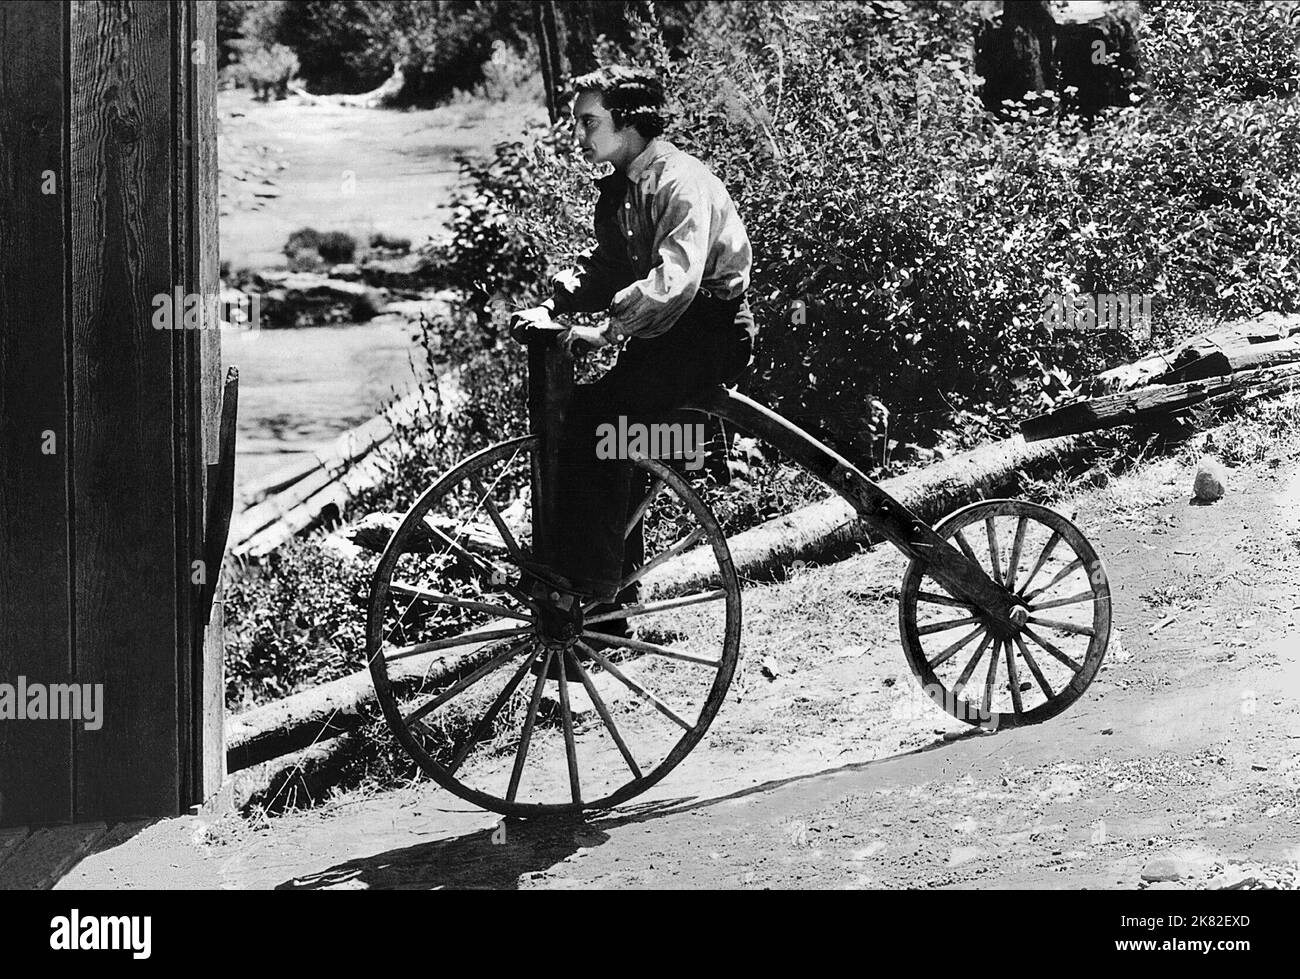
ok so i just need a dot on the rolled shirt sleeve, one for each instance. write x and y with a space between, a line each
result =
650 306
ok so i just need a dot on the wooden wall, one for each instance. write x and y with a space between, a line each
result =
107 198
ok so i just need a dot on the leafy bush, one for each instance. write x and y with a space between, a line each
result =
904 241
293 621
353 46
337 247
332 247
384 242
1223 52
266 69
511 75
488 254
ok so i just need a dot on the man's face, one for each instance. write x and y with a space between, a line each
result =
594 132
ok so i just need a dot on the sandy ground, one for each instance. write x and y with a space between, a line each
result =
1183 757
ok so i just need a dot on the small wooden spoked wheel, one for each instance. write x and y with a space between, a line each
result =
1062 617
498 683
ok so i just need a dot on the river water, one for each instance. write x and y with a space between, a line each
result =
300 389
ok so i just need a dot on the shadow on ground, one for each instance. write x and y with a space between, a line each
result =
501 857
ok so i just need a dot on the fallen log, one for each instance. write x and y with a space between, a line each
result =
321 491
1230 360
336 707
348 447
1265 328
1156 400
373 531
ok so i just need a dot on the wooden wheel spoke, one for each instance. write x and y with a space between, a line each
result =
526 735
464 639
570 748
635 687
1036 556
464 683
944 626
471 524
653 607
1078 630
988 682
969 669
693 537
1065 572
966 549
437 598
1042 559
1022 524
1083 596
1013 677
1052 649
485 722
483 566
640 645
994 555
502 528
641 508
605 716
1034 668
948 653
933 599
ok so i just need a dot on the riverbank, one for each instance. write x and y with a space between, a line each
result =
291 164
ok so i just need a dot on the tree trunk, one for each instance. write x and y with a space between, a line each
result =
548 46
1087 54
581 31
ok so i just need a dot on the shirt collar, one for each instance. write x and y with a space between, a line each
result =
655 150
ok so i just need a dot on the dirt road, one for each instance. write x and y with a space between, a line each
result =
1181 764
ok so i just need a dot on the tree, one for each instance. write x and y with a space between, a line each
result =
1088 56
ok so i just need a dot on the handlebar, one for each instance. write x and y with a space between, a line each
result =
527 332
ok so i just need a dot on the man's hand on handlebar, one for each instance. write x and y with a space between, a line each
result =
536 318
578 339
573 341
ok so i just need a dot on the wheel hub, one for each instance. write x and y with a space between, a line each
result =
1018 615
557 624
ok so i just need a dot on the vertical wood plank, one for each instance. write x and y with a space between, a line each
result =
124 469
212 675
188 471
36 766
208 667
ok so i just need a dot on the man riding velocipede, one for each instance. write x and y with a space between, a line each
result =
670 268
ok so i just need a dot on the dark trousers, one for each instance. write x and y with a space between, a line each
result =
710 344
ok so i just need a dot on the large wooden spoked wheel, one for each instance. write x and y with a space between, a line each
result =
501 690
1034 673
